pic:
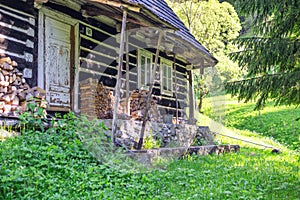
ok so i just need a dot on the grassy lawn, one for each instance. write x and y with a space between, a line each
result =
279 123
57 165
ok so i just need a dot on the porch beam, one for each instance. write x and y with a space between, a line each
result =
117 4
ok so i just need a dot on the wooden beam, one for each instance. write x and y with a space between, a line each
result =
202 68
191 96
141 140
127 74
92 11
176 94
119 77
117 4
40 1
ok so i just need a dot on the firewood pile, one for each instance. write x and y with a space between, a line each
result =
138 102
104 102
97 101
15 93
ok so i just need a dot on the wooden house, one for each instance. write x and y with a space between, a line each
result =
60 44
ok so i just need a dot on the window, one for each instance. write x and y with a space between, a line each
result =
166 77
144 69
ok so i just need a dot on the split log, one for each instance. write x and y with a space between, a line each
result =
14 91
104 101
138 102
5 60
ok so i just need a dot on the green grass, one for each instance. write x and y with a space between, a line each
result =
277 122
57 165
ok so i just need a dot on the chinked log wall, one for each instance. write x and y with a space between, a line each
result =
17 35
98 51
99 48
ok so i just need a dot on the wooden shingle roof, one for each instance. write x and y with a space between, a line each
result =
161 9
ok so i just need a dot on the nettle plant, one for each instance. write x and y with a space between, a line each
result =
34 118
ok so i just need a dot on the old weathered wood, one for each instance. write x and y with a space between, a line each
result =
14 91
141 140
118 84
104 102
176 90
58 63
94 11
117 4
138 102
127 74
191 96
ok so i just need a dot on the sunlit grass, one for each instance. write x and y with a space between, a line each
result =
57 165
276 122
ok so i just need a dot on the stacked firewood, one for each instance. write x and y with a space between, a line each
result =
104 101
138 103
15 93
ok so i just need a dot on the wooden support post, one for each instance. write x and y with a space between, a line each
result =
127 74
118 84
191 96
176 93
141 140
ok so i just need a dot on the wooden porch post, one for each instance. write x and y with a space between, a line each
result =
141 140
127 74
176 92
191 96
118 84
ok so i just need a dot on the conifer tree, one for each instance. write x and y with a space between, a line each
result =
270 54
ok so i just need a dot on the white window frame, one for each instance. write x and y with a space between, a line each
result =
147 55
166 89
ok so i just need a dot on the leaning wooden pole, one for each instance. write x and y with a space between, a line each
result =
127 74
119 76
141 140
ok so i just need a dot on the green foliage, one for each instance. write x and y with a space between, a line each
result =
233 176
61 162
150 142
57 164
270 54
33 118
275 122
214 24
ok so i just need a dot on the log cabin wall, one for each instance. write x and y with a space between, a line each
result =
17 35
98 51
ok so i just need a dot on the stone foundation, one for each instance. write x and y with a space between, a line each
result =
169 135
148 157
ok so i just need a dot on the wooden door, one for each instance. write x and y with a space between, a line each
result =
57 63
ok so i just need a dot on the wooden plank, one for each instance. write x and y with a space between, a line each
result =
98 29
191 96
118 85
127 74
97 52
25 11
102 74
117 4
58 62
